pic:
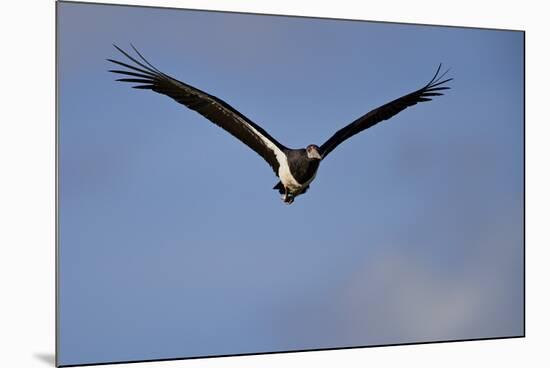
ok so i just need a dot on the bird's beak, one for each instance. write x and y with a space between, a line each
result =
314 154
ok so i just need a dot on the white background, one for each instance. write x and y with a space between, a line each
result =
27 183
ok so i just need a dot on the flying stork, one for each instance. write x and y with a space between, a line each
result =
296 168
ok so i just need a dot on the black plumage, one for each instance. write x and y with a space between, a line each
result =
301 167
212 108
296 168
431 89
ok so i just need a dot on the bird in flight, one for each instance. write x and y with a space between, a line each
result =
296 168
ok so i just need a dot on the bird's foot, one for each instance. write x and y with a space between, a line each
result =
288 198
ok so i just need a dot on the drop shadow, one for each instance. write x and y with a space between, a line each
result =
47 358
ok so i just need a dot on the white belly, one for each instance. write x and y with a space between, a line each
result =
287 179
290 182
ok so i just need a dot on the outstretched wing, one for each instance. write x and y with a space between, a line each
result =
386 111
146 76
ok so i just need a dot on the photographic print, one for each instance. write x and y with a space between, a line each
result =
233 183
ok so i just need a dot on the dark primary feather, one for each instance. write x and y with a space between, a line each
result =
146 76
386 111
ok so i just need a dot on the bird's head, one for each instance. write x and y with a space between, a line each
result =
313 152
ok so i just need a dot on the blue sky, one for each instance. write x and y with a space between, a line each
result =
172 243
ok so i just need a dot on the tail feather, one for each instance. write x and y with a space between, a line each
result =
280 187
